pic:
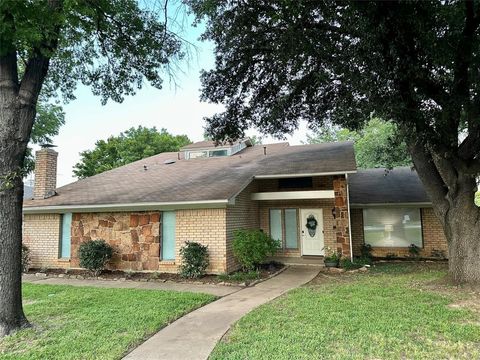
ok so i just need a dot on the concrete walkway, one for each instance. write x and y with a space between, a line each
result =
194 336
217 290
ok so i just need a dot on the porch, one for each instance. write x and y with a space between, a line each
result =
310 216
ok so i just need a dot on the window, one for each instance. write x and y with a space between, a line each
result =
392 227
292 183
65 237
284 222
217 153
168 235
197 154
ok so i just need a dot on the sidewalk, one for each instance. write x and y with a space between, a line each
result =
194 336
217 290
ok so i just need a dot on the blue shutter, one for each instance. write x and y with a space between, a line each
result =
168 235
291 229
66 235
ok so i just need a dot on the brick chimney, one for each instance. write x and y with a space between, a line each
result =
45 173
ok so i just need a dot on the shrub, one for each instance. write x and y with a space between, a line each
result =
194 260
25 258
363 261
94 255
366 251
347 264
252 247
414 250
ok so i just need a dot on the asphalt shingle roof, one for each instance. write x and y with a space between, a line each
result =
200 179
377 186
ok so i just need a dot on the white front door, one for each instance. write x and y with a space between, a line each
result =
312 231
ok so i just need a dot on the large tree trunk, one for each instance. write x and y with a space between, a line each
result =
452 192
12 153
462 228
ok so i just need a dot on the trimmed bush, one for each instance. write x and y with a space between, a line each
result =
94 255
25 258
194 260
252 247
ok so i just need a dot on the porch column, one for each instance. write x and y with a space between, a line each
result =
341 215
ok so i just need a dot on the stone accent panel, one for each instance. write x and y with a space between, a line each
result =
341 215
207 227
134 236
434 240
41 233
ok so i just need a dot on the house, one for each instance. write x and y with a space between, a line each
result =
310 197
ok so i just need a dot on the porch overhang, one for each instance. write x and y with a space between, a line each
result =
293 195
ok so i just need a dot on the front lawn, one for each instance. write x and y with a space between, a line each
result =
398 311
92 323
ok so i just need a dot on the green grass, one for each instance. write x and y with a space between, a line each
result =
240 276
92 323
393 312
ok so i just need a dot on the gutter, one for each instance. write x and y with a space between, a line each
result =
349 219
402 204
128 207
280 176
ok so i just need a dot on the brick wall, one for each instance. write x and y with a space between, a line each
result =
243 215
434 240
41 233
208 227
45 173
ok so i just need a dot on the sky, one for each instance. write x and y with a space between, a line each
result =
175 108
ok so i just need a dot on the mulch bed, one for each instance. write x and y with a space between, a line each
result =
266 271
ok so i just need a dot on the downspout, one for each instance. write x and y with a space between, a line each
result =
349 219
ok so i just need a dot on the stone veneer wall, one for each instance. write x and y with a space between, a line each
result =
432 231
134 236
341 215
243 215
41 233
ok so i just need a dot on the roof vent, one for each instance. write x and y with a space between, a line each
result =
169 161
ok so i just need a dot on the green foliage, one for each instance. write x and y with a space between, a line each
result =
252 247
366 251
49 119
106 324
131 145
94 255
347 264
332 255
477 198
376 145
240 276
371 316
194 260
413 250
363 260
25 258
110 46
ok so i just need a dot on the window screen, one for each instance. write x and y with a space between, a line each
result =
276 224
65 241
392 227
291 229
217 153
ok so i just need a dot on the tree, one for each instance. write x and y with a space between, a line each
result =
375 145
132 145
416 63
51 45
50 117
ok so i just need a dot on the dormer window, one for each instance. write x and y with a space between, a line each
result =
207 149
196 154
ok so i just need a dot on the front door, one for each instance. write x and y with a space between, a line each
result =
312 231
